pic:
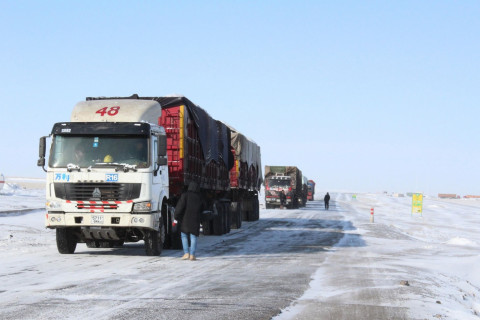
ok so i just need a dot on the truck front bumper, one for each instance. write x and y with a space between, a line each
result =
122 220
277 202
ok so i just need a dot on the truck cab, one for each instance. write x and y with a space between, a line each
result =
278 191
107 176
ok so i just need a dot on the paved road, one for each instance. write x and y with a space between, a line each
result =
251 273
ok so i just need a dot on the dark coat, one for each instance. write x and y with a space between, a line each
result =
189 208
326 198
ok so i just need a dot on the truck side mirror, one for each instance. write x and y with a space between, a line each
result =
162 161
161 152
41 153
162 145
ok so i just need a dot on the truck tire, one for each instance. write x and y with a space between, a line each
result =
244 210
207 227
154 240
66 242
236 216
252 213
219 221
228 217
118 244
176 240
239 216
256 208
233 214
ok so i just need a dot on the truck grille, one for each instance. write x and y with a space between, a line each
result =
97 191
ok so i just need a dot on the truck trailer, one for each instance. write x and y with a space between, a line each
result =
117 170
286 182
245 179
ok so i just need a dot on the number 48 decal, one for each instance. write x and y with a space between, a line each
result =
112 111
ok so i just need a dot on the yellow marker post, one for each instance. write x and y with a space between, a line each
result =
417 203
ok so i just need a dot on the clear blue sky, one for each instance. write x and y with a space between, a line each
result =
361 95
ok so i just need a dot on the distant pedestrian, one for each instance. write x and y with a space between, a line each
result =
187 213
283 198
326 199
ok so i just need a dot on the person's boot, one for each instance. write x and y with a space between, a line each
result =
192 258
186 256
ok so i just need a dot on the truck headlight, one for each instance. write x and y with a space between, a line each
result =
142 207
53 205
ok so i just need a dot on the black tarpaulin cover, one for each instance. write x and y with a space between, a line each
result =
214 135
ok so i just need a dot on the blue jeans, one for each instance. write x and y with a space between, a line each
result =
193 243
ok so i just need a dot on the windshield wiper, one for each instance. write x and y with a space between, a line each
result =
118 166
72 166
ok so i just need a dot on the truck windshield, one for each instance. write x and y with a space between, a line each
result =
87 151
279 183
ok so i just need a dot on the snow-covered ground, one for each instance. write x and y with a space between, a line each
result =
427 264
402 266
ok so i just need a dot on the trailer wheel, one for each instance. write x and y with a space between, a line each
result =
233 213
154 240
176 240
236 217
66 242
256 208
244 211
239 215
252 213
118 244
207 227
218 221
228 217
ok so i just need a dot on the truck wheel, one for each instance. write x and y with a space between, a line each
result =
251 213
256 208
207 227
243 211
233 215
66 242
218 221
236 216
154 240
118 244
176 240
228 217
239 216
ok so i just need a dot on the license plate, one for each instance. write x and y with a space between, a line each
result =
97 219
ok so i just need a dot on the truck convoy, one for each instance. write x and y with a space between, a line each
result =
311 190
117 170
284 181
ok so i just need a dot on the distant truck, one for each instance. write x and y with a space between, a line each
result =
286 180
117 170
311 190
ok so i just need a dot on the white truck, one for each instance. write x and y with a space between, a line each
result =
107 176
117 170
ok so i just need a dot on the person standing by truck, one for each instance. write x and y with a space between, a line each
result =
326 199
187 213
